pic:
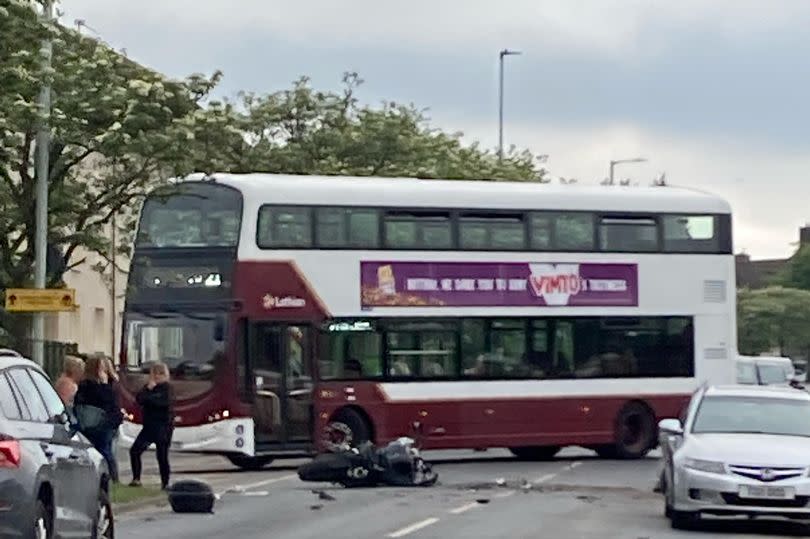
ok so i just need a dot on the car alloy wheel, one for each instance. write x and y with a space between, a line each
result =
104 525
41 529
43 523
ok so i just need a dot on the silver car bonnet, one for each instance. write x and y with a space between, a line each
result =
748 449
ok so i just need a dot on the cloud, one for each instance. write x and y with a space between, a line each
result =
765 186
426 24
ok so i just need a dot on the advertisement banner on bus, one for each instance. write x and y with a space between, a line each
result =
485 284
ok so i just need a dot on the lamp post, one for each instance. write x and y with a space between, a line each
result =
504 53
621 161
42 171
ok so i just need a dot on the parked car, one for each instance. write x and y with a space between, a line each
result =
53 483
765 371
741 450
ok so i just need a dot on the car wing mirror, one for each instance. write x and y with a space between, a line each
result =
671 426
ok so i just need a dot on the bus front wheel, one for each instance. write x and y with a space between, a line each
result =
252 464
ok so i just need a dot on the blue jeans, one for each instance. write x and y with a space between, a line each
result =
102 440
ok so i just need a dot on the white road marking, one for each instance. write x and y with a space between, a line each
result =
549 477
402 532
242 488
505 494
464 508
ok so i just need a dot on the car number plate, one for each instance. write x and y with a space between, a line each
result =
767 493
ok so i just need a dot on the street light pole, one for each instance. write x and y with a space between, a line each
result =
501 55
620 161
42 172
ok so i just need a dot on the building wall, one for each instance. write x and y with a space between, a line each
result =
92 324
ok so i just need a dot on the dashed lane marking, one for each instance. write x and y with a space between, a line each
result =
402 532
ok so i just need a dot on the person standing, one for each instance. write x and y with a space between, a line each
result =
68 382
95 392
155 400
113 380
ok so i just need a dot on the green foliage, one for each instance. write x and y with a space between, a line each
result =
797 272
116 128
773 317
119 130
306 131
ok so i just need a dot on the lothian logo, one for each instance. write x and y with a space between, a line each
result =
270 301
555 283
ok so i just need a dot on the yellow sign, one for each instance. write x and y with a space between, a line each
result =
40 300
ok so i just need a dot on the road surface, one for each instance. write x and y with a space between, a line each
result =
480 495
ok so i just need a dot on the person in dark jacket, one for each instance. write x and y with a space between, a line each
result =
96 391
155 400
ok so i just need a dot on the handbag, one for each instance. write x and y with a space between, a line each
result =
89 418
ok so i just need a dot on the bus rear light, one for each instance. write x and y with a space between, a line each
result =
10 453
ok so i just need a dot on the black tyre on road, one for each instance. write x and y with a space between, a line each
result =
635 433
252 464
347 427
535 453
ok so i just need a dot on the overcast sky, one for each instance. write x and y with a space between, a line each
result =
713 92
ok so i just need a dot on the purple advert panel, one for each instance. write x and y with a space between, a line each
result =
487 284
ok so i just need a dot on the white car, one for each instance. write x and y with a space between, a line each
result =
741 450
765 370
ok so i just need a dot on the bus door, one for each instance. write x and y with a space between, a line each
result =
282 385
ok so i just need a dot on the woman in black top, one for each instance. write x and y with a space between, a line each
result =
96 391
155 400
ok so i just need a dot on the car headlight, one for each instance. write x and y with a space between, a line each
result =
709 466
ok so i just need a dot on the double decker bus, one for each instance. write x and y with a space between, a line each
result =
301 313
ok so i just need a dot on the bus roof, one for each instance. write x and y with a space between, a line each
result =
259 189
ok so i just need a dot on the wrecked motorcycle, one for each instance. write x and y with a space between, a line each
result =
397 464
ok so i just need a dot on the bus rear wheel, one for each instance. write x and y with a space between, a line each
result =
536 453
347 428
252 464
634 435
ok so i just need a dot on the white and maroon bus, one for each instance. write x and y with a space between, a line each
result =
300 312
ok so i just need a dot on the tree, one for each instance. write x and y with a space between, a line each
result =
305 131
119 130
116 127
773 317
797 272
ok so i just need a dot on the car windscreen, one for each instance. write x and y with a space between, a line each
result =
759 415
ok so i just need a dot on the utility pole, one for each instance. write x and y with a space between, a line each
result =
114 315
501 55
42 173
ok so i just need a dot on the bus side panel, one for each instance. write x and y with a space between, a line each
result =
501 422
